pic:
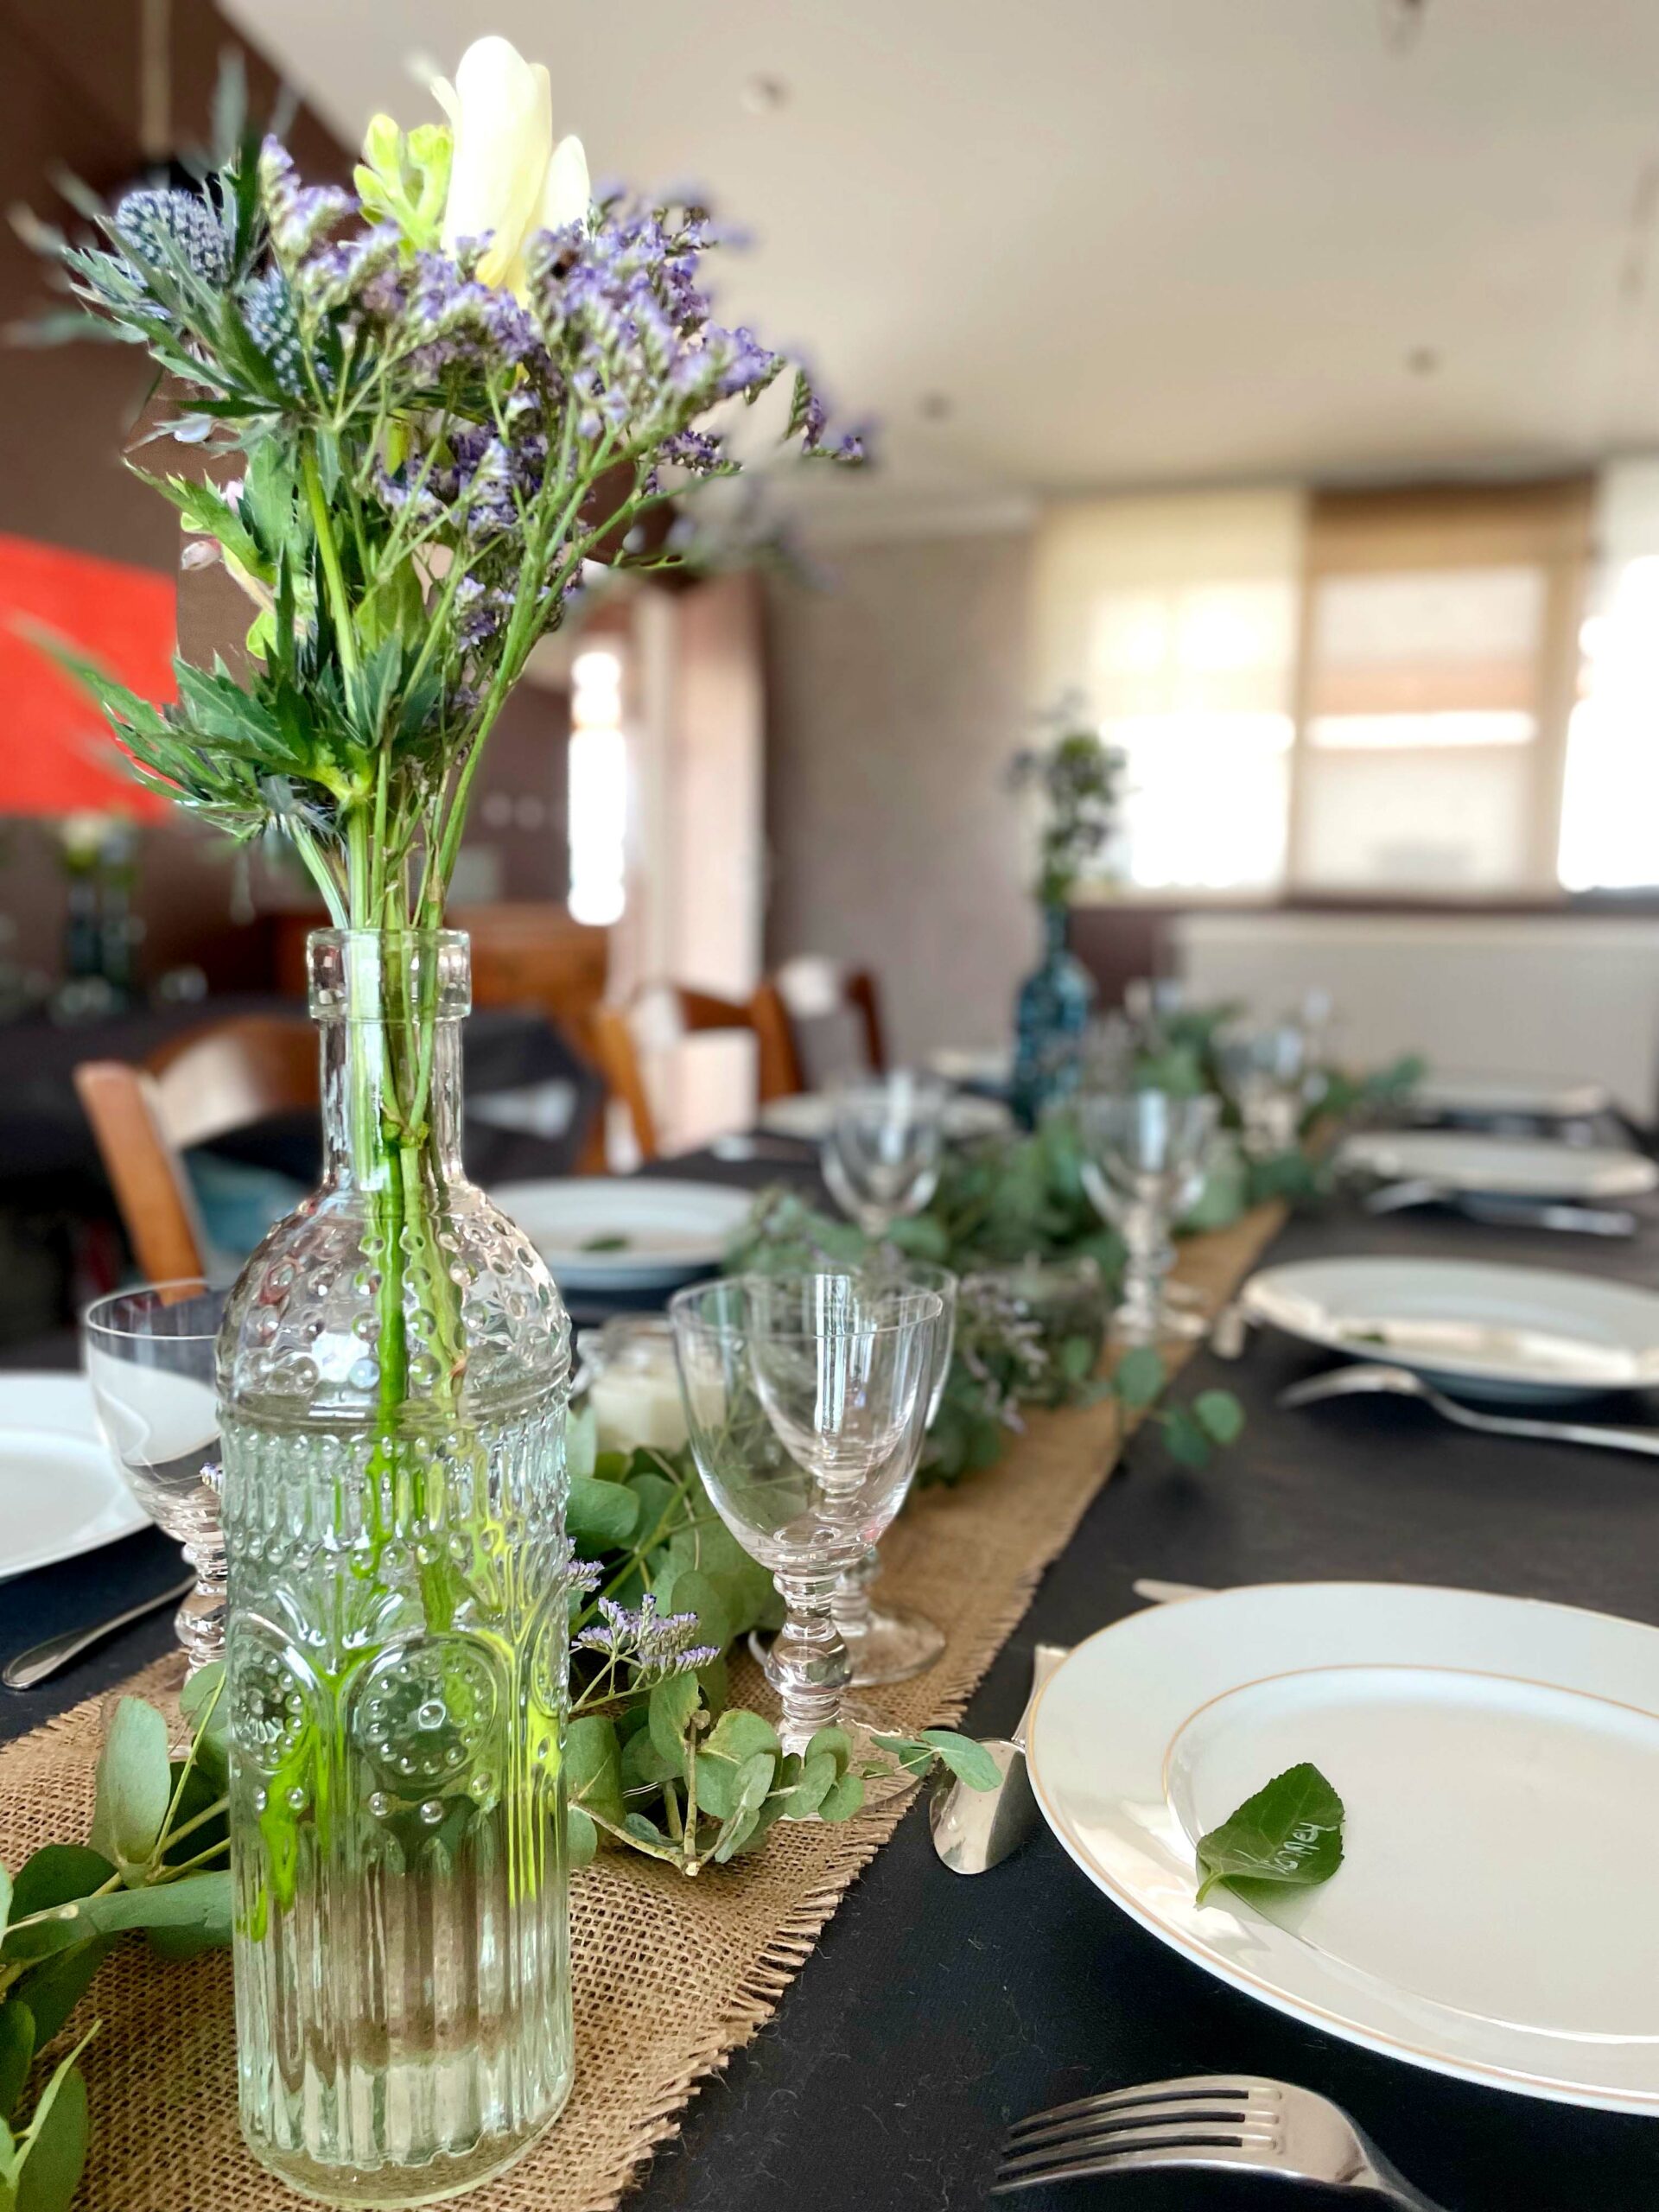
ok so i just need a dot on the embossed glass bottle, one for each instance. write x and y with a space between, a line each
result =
392 1374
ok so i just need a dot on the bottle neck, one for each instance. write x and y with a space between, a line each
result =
1055 918
390 1095
390 1008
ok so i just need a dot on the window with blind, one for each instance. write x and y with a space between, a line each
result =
1436 693
1438 665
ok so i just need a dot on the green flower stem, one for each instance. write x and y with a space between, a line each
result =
340 604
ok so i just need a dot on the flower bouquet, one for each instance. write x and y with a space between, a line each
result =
420 408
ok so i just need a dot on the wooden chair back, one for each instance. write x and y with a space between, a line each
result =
617 1048
194 1088
811 987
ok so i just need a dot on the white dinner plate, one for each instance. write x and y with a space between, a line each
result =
1497 1761
809 1114
1533 1167
626 1232
989 1065
60 1492
1503 1333
1543 1098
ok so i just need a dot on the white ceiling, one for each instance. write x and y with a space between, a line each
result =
1130 241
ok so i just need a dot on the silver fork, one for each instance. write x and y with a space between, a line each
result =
1400 1383
1206 2119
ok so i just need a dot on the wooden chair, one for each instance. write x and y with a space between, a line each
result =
617 1044
812 988
194 1089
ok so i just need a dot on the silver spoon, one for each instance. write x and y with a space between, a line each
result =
976 1829
44 1659
1400 1383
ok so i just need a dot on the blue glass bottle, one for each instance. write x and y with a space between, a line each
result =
1050 1014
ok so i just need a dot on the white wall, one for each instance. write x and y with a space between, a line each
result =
1575 999
898 693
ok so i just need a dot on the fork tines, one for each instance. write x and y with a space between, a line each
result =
1216 2113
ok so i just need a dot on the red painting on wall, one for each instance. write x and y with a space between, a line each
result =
57 754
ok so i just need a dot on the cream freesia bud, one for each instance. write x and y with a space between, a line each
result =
507 178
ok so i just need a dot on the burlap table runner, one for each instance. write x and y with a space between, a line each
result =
671 1975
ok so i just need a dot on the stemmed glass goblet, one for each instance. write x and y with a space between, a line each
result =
888 1644
882 1157
1265 1070
1143 1155
806 1398
149 1356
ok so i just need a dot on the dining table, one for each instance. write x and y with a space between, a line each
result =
938 2008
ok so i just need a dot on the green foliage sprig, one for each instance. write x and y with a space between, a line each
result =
657 1758
152 1861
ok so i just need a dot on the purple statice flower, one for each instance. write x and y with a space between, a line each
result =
360 272
482 609
695 450
641 1637
488 504
165 226
299 214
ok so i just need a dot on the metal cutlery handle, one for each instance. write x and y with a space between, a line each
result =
41 1660
1044 1659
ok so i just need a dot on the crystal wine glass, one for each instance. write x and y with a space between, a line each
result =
1265 1070
888 1644
1143 1165
149 1355
807 1399
882 1156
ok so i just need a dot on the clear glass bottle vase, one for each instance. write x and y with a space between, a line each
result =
393 1371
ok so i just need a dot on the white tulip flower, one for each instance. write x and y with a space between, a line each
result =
507 177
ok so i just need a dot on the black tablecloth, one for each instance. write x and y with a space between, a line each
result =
937 2008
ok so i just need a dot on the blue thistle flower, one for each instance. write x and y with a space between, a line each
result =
267 307
162 227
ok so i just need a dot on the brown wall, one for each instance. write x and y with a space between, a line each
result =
72 103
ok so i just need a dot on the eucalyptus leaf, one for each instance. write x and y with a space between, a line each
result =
837 1742
1139 1376
599 1516
16 2051
644 1831
57 1874
842 1799
1184 1440
1288 1835
54 1988
807 1789
671 1705
739 1736
689 1590
751 1784
134 1786
54 2146
969 1760
643 1765
580 1837
199 1901
1219 1415
593 1765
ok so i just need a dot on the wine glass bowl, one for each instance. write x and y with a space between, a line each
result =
149 1356
1267 1072
806 1398
882 1157
1143 1154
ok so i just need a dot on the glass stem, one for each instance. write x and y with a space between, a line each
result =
1145 1263
809 1657
199 1621
851 1602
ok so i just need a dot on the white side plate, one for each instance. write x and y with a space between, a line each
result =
1531 1167
1504 1333
991 1065
60 1492
667 1232
1539 1098
1499 1763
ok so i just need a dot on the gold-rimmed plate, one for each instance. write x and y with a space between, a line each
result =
1498 1760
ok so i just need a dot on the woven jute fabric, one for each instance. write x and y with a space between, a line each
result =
670 1974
